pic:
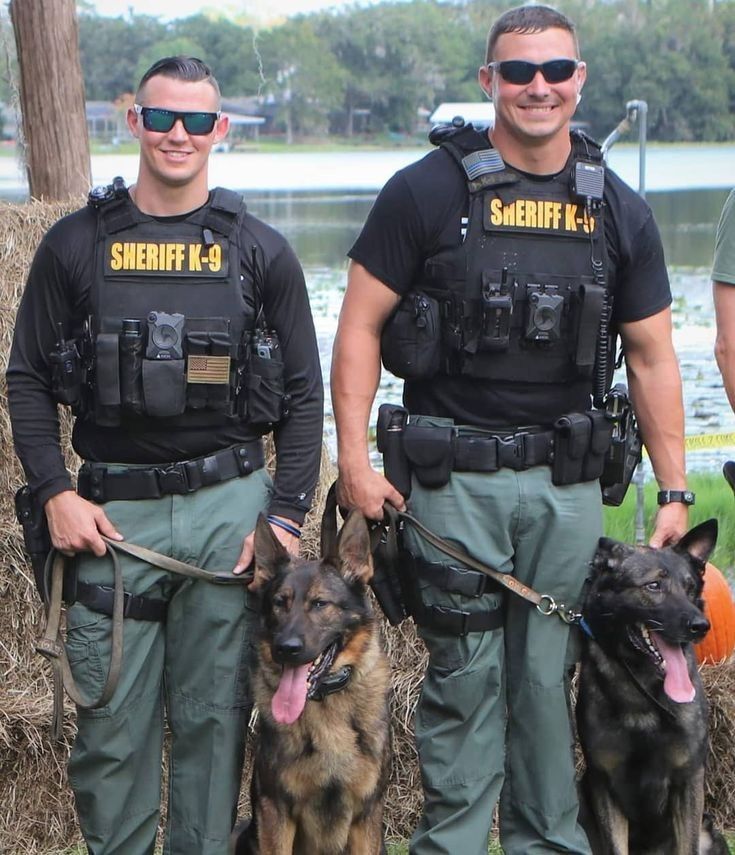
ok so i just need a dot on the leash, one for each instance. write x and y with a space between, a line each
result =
51 644
545 603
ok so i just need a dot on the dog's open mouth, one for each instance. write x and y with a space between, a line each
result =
300 682
670 661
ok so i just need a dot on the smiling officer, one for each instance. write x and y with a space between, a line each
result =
492 276
177 327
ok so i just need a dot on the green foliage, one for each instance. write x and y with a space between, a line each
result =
387 61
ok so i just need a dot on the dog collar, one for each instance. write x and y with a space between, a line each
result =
585 627
330 684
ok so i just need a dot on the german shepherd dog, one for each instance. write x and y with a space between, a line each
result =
641 710
321 686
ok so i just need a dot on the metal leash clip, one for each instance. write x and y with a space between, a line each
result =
547 606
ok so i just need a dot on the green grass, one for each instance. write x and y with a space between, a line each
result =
714 499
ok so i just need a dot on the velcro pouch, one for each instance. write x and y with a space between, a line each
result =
164 387
430 451
571 442
197 345
107 380
600 439
266 390
410 344
108 370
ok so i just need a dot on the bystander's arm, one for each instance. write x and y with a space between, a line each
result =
655 389
355 377
724 297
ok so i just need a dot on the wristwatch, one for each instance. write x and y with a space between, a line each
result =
665 497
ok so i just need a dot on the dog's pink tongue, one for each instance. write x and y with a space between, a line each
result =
290 697
677 684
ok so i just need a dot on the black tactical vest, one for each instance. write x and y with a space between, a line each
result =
170 314
521 298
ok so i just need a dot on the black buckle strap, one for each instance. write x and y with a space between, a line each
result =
475 452
99 483
458 621
99 598
454 580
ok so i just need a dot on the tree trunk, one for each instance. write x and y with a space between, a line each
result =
52 97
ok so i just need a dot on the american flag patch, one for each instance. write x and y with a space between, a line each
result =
482 162
208 369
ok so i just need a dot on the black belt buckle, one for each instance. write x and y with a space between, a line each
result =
127 599
468 583
172 479
512 451
456 617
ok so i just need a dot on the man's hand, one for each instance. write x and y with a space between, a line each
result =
672 521
367 490
75 524
289 541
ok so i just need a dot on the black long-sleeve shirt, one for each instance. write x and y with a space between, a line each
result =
58 291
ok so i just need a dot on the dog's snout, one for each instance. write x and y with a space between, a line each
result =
698 626
289 648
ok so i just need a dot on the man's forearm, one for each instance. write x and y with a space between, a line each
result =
355 379
656 394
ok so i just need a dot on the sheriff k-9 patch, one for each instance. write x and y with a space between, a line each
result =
545 216
174 257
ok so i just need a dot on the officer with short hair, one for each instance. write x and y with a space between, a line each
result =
177 327
492 275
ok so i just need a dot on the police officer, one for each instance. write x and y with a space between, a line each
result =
182 327
489 267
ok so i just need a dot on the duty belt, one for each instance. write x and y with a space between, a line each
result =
488 453
102 482
433 452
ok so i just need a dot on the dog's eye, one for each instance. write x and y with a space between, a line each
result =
653 586
319 604
279 601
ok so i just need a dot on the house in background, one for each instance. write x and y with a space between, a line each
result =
480 113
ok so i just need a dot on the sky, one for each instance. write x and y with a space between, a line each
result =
168 9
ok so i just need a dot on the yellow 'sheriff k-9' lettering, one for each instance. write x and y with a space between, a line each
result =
540 214
170 257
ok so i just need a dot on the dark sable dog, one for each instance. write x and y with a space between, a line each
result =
641 710
321 687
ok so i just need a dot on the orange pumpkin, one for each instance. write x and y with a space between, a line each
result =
719 609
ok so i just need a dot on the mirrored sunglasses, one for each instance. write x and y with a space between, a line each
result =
161 121
520 72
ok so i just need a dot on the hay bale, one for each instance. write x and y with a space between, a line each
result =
37 815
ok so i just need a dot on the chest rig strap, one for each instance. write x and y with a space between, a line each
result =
118 212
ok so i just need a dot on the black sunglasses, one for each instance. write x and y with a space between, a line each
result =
520 72
161 121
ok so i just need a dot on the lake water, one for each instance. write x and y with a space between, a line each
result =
320 201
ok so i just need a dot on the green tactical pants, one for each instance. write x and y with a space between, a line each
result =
493 720
193 669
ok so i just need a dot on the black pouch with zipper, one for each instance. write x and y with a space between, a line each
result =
410 344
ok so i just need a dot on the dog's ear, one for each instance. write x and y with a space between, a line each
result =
728 470
270 553
610 553
699 541
354 559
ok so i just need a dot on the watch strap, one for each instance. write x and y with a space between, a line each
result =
666 497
